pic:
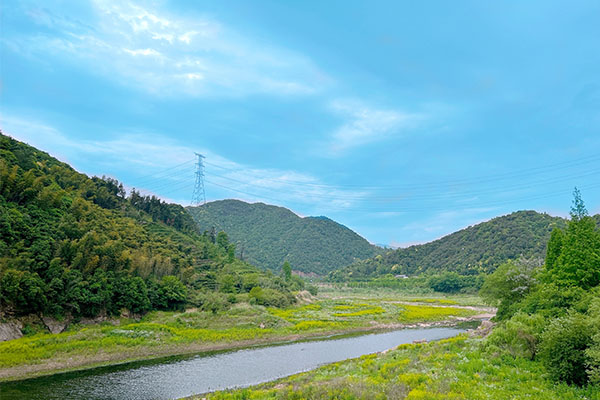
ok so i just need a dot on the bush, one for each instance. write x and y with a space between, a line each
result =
211 301
312 289
448 282
518 336
593 352
168 294
550 300
270 297
563 348
22 290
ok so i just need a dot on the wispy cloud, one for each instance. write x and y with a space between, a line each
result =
441 224
167 54
365 124
148 157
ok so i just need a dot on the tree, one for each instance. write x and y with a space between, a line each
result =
286 271
509 284
222 240
578 210
131 293
448 282
169 293
574 256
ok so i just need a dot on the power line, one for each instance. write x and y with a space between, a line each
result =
166 173
481 179
418 196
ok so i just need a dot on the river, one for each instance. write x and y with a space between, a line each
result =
181 376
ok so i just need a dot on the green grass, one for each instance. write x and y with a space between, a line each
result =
416 313
449 369
167 331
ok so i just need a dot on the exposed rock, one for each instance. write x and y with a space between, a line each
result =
484 329
10 331
125 313
304 296
54 325
420 341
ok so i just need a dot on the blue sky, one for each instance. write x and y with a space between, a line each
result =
404 121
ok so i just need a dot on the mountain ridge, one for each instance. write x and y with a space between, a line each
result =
478 248
268 235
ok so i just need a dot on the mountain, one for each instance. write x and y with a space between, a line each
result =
268 235
475 249
74 245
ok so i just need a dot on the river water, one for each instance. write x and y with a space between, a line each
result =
175 377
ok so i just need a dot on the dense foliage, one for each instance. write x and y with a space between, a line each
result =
471 251
267 236
74 245
552 313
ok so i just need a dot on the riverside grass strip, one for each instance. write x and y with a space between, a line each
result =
454 369
167 330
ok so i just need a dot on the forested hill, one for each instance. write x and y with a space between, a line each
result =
476 249
73 245
269 235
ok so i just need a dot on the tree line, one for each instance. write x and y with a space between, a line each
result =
75 245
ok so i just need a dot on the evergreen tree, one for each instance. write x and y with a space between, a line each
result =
286 271
574 255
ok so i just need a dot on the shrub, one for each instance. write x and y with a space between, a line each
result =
593 352
270 297
211 301
518 336
550 300
448 282
508 285
168 294
563 348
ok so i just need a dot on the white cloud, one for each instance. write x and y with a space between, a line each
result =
143 154
365 124
143 52
163 53
441 224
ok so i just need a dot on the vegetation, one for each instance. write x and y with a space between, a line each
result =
554 310
475 250
267 236
445 282
75 246
546 344
455 368
172 332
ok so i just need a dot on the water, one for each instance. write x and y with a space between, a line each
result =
177 377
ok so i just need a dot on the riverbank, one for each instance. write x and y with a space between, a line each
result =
163 334
454 368
207 372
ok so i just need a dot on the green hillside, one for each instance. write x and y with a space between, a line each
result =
70 244
269 235
473 250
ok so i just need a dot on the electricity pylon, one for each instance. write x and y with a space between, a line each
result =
199 196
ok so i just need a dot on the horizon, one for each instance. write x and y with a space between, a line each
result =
403 122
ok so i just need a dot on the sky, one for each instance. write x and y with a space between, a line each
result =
403 120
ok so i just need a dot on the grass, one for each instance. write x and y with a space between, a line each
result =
176 332
416 313
453 368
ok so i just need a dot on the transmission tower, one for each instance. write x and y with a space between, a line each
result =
199 196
